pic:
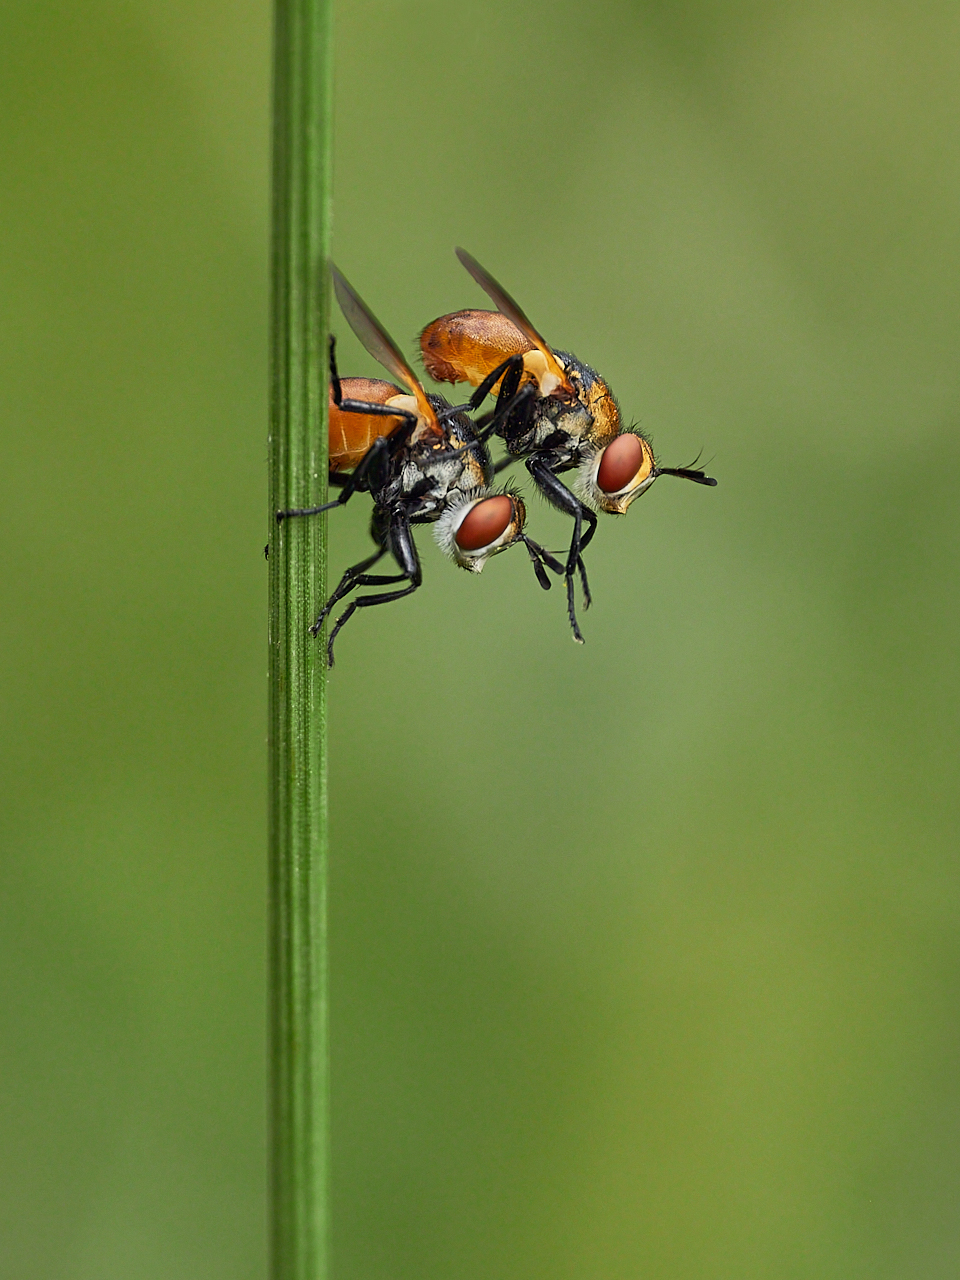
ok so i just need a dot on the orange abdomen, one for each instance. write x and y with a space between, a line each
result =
467 345
352 434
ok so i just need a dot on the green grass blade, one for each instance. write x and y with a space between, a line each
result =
297 727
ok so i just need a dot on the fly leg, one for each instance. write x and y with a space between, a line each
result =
556 492
372 464
511 370
539 556
585 541
403 548
510 398
355 576
492 422
510 394
359 477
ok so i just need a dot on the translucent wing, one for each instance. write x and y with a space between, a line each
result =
512 311
379 343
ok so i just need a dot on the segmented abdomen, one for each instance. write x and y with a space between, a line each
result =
351 435
467 345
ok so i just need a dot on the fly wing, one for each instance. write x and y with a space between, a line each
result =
380 345
512 311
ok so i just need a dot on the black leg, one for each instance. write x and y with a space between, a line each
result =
525 396
309 511
549 560
355 576
555 564
399 538
515 366
334 371
357 479
535 552
509 397
363 580
587 597
376 456
361 406
556 492
364 602
540 557
507 405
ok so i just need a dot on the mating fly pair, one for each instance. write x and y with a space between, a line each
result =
422 462
552 410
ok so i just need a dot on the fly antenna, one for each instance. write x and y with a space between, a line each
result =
692 472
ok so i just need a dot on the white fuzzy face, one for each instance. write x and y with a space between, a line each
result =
609 479
479 527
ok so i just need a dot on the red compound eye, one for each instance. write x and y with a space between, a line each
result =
620 463
485 523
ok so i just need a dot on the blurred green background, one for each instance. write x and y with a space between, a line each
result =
646 957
